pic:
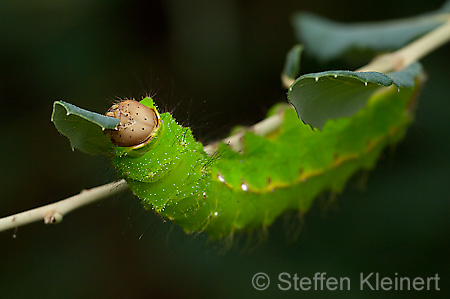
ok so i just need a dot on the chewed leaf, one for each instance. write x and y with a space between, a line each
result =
318 97
328 39
83 128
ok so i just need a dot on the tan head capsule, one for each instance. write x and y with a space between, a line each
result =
138 123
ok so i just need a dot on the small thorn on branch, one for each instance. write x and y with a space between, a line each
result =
54 213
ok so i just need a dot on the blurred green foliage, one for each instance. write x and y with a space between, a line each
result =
216 64
326 39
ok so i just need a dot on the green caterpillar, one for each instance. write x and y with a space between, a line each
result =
172 174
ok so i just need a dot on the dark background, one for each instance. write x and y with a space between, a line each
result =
218 64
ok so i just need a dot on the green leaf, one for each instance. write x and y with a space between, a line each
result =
83 128
318 97
291 68
326 39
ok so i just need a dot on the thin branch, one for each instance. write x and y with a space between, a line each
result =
403 57
287 81
412 52
262 128
53 213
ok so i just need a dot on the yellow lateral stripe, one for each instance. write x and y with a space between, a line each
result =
306 175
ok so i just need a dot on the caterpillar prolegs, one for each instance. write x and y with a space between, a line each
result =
172 174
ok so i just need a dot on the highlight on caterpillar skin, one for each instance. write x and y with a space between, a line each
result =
242 191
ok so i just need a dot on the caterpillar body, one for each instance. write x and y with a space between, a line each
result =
248 189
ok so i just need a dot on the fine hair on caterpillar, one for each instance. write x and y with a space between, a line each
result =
186 111
245 188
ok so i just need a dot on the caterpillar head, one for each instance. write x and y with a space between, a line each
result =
138 123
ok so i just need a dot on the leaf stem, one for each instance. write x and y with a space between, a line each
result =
412 52
53 213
